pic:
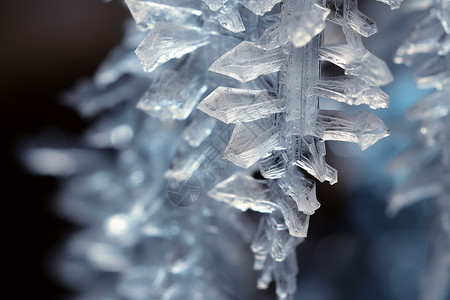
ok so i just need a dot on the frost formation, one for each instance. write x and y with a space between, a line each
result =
256 65
427 161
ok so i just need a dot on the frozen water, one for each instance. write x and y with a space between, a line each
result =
167 41
247 61
238 105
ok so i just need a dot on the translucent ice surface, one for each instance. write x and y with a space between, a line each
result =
167 41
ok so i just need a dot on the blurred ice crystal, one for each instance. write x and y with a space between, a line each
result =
427 160
267 106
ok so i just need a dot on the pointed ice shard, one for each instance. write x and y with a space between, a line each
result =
296 221
146 13
173 96
274 166
252 141
273 37
167 41
247 61
260 7
238 105
312 158
244 192
352 90
394 4
305 24
301 189
363 128
357 62
214 4
281 243
229 18
351 17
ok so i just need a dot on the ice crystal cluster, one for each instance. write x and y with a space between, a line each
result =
427 161
252 68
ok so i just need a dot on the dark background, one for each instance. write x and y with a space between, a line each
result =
46 46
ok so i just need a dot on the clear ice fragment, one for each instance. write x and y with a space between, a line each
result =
198 131
357 62
363 128
214 4
229 18
312 158
274 166
252 141
301 189
232 105
351 90
167 41
260 7
305 25
174 94
247 61
146 13
244 192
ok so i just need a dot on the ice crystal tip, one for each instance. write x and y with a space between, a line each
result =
167 41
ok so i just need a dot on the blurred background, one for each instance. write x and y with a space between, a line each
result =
353 250
47 46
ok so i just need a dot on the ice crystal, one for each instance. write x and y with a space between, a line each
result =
428 159
267 104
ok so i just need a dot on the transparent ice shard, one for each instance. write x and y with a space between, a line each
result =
175 93
301 189
274 166
244 192
273 37
252 141
147 13
351 90
296 221
229 18
232 105
394 4
310 156
346 13
247 61
363 128
167 41
306 24
198 131
281 243
260 7
214 4
357 62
